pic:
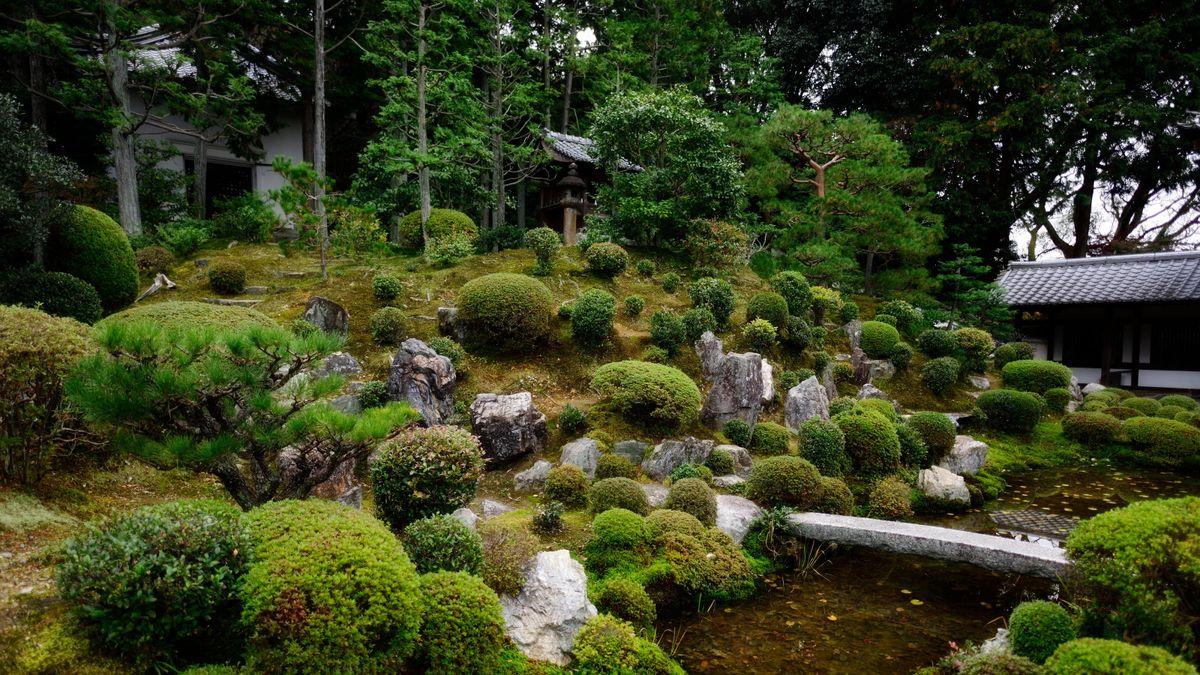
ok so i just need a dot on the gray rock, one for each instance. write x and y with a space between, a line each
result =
351 497
656 494
853 331
740 455
338 486
736 393
465 516
734 515
553 605
448 323
1073 388
878 369
424 379
942 485
671 454
347 403
999 644
967 456
804 402
327 315
979 381
583 453
869 390
827 381
727 482
711 353
768 382
634 451
1091 387
533 478
338 363
508 425
492 508
256 290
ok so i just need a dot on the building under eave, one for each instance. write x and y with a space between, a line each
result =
1129 320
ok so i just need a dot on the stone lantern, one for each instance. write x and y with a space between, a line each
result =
574 199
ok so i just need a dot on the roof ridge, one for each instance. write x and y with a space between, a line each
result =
1108 259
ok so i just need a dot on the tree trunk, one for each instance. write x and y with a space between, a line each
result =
124 155
868 273
38 115
422 123
1081 202
521 203
200 178
546 61
570 82
319 133
500 214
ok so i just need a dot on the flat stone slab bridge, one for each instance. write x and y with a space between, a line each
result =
1001 554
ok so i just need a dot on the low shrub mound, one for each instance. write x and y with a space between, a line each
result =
462 627
226 277
1036 628
936 343
620 539
878 339
607 644
1057 399
908 318
884 408
1120 412
697 321
689 470
798 333
441 223
443 543
823 444
387 326
901 356
544 242
827 303
91 246
329 584
1011 410
1091 428
1146 406
618 493
1162 442
974 346
160 584
940 374
720 463
771 307
783 481
834 497
505 312
1035 376
759 335
153 260
612 465
1089 656
1186 402
592 317
184 314
386 287
606 259
890 499
738 432
507 549
795 291
715 295
567 485
1012 351
710 565
871 442
996 662
634 305
913 451
936 430
692 495
626 599
56 293
425 471
667 331
662 521
648 393
770 439
1136 573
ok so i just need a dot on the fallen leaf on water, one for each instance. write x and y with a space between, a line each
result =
905 591
832 617
916 602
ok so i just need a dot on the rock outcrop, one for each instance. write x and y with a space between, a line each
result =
634 451
736 393
465 516
734 515
508 425
711 353
671 454
806 401
768 382
327 315
967 456
533 478
869 390
583 453
553 605
944 486
740 455
655 493
492 508
338 363
424 379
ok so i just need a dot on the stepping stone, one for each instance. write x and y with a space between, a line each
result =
233 302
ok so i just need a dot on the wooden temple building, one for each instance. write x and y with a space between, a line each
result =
568 180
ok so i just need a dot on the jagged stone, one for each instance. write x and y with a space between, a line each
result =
967 456
736 393
634 451
655 494
1073 388
944 486
768 382
869 390
735 514
508 425
853 331
726 482
1091 387
338 363
671 454
424 379
979 381
804 402
711 353
533 478
827 381
347 403
583 453
551 608
327 315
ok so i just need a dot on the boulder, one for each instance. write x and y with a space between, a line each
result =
533 478
736 393
979 381
346 403
338 363
583 453
551 608
944 486
734 515
327 315
448 323
1089 388
634 451
827 381
804 402
727 482
492 508
1073 388
853 331
465 516
877 369
424 379
998 644
967 456
341 486
711 353
656 494
740 455
768 382
671 454
508 425
869 390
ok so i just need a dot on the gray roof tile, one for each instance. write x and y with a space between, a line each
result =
579 149
1144 277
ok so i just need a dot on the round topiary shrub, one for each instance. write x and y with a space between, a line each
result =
974 345
770 439
1011 410
612 465
567 485
878 405
662 521
91 246
226 277
901 356
387 326
627 600
607 644
505 311
771 307
618 493
720 463
908 318
826 303
443 543
592 317
885 318
798 333
936 430
1186 402
738 432
1162 442
160 584
620 538
1120 412
1057 399
871 442
841 404
1089 656
834 497
795 291
153 260
462 628
386 287
715 295
692 495
606 259
184 314
996 662
689 470
329 584
1012 351
667 330
670 282
646 267
425 471
544 242
648 393
441 223
697 321
1035 376
890 499
450 349
783 481
823 444
1146 406
634 305
878 339
55 293
936 343
373 394
759 335
913 451
1036 628
1091 428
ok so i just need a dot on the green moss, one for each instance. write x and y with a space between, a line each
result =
622 493
871 442
505 312
1088 656
692 495
649 393
770 439
178 314
878 339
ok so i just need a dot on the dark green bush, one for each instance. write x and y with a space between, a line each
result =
720 463
878 405
386 287
770 439
823 444
607 644
618 493
783 481
798 333
160 584
771 307
878 339
606 259
913 451
612 465
885 318
547 519
901 356
1146 406
1118 411
671 281
1035 376
739 433
592 317
1092 656
689 470
443 543
448 348
692 495
1057 399
834 497
936 343
1012 351
871 442
1011 410
567 485
908 318
795 291
697 321
245 218
890 499
648 393
227 277
425 471
153 260
848 313
373 394
55 293
667 330
544 242
505 311
759 335
821 361
715 295
841 404
1091 428
625 599
441 223
184 314
843 373
462 629
974 346
184 237
634 304
620 539
91 246
1162 442
936 429
571 420
1037 627
646 267
940 374
387 326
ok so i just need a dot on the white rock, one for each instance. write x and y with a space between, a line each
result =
998 644
467 516
727 481
1073 388
543 619
656 494
734 515
869 390
1093 388
966 457
768 382
492 508
534 477
979 381
804 402
938 483
583 453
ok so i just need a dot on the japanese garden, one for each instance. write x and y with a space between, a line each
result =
595 336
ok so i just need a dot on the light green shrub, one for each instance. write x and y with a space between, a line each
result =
648 393
592 317
503 311
1035 376
890 499
878 339
692 495
1036 628
1090 656
462 626
442 223
871 442
618 493
783 481
606 259
567 485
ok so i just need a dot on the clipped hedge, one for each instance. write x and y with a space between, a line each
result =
1035 376
607 259
441 223
936 429
425 471
871 442
771 307
1012 351
90 245
1011 410
567 485
1186 402
227 277
770 438
784 481
878 339
462 626
974 346
940 374
443 543
592 317
649 393
504 311
618 493
183 314
1091 428
823 444
56 293
692 495
1162 442
715 295
936 343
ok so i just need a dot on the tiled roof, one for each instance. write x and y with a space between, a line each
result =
577 149
1144 277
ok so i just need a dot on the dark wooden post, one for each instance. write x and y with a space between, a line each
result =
1106 337
1135 366
1050 333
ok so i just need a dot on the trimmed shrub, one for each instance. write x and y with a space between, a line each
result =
462 629
784 480
646 267
720 463
1057 399
450 349
1035 376
708 565
329 584
995 662
940 374
823 444
618 493
387 326
1168 411
834 497
607 644
1090 656
841 404
648 393
626 599
770 307
716 243
507 549
620 539
671 281
848 313
567 485
759 335
667 330
1186 402
443 543
890 499
1091 428
913 451
386 287
1036 628
227 277
544 242
160 584
1162 442
655 354
697 321
505 311
606 259
1012 351
738 432
592 317
425 471
662 521
571 420
93 247
936 343
689 470
715 295
885 318
770 439
826 302
1011 410
153 260
936 430
1146 406
843 373
692 495
185 314
901 356
1120 412
878 405
798 334
55 293
974 345
795 291
634 304
878 339
821 361
908 318
373 394
612 465
871 442
442 223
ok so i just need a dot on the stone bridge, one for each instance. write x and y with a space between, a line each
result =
1001 554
